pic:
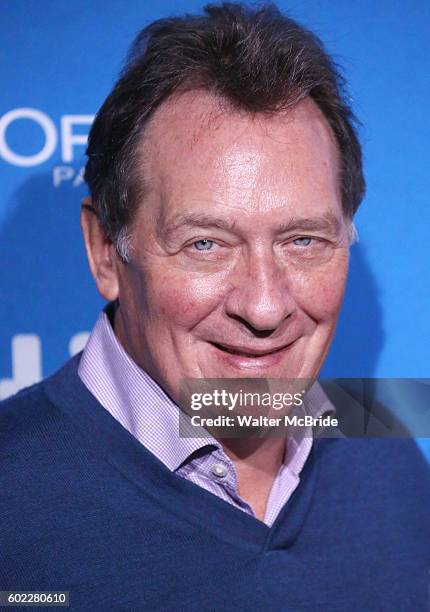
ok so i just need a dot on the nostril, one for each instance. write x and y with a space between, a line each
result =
258 333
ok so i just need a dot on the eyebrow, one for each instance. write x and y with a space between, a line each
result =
327 222
196 220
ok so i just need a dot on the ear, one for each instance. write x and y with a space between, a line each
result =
101 252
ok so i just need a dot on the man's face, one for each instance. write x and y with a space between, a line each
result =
239 248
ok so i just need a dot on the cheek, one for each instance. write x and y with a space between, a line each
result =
184 299
319 293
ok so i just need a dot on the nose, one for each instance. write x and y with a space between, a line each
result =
260 295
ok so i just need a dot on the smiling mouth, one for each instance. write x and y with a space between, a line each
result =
249 353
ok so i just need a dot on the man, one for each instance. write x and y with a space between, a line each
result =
224 172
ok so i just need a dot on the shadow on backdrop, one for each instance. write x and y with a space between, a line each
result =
46 286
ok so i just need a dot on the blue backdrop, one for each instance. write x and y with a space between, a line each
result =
59 61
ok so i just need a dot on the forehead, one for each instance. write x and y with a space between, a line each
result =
199 151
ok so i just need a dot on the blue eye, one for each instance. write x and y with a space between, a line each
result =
203 245
303 241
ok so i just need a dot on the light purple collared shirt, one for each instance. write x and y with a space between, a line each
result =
135 400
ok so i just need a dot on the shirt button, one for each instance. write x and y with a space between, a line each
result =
219 470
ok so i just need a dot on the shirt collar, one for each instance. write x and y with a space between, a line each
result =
134 398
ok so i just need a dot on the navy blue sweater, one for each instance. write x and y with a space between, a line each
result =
84 507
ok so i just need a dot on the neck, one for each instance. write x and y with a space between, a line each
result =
257 462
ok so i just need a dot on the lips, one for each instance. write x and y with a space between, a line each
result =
249 352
